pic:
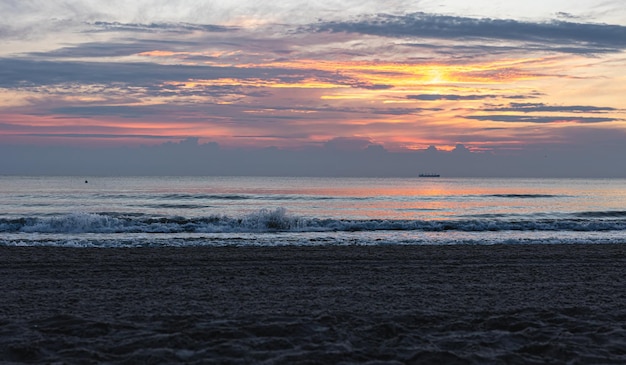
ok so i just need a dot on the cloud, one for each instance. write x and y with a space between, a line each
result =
25 72
124 111
97 136
142 15
101 26
108 70
527 108
348 143
559 36
467 48
566 15
539 119
114 49
454 97
188 157
540 107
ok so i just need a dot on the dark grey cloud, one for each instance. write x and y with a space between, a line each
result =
404 111
240 114
101 26
114 49
27 73
471 49
453 97
539 119
540 107
124 111
286 136
98 136
561 36
365 111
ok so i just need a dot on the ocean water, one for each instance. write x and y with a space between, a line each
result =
267 211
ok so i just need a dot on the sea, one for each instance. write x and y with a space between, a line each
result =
105 212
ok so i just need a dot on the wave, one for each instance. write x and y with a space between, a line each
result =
523 196
173 206
277 220
603 214
229 197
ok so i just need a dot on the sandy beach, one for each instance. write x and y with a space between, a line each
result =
381 304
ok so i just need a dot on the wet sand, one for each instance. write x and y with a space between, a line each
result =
510 304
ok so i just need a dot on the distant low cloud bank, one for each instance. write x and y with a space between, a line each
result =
343 157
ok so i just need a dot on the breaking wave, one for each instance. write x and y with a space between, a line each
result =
277 220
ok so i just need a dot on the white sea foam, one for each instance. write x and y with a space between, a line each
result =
332 238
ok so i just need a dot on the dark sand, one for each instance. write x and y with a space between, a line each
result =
509 304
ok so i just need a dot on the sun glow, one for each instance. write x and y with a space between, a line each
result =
406 75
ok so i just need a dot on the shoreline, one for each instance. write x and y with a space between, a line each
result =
460 304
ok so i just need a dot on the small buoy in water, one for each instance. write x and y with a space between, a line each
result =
86 181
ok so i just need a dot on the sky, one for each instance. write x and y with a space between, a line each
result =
338 88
